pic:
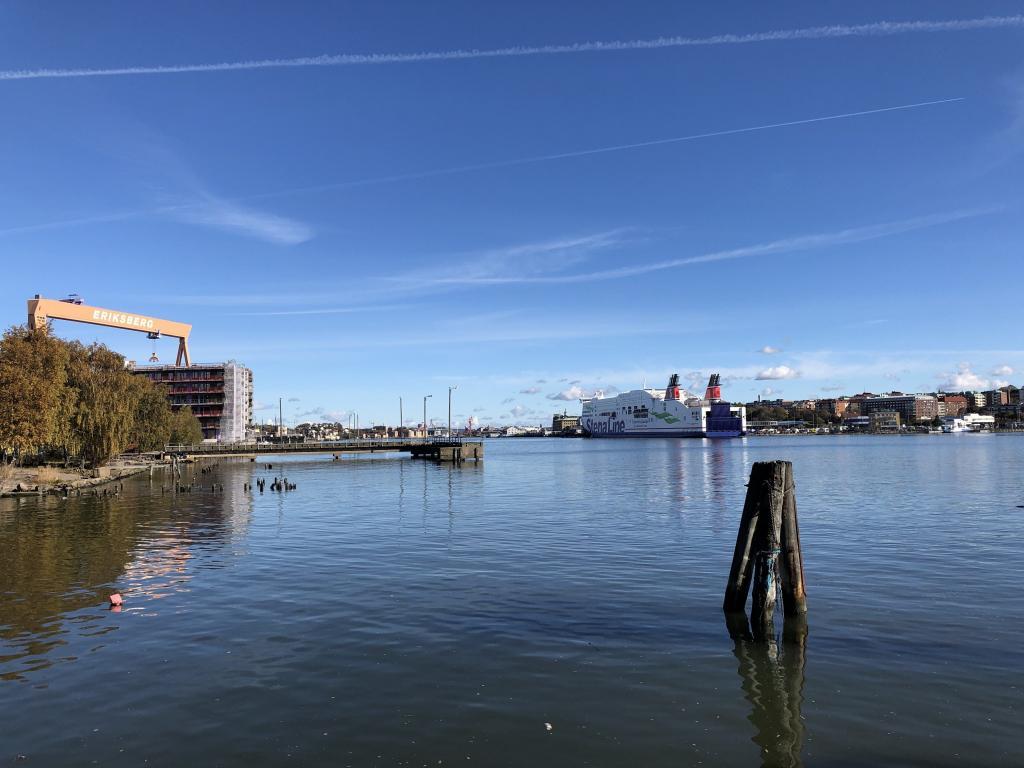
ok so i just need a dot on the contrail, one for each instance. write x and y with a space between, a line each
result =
171 209
594 151
874 29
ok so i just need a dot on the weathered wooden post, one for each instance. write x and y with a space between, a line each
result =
794 600
768 528
742 558
766 549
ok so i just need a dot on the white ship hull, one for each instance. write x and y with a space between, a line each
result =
669 413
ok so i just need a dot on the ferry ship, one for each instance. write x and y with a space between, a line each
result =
673 412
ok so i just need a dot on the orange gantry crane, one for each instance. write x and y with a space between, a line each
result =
41 310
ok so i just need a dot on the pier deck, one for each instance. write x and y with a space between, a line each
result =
438 449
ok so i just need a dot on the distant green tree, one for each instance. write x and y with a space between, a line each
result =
154 418
185 428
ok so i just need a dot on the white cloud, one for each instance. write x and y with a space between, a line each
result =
508 400
962 379
1002 370
769 350
518 411
529 391
769 392
777 372
574 392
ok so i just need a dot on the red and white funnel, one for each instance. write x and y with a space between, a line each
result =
672 390
714 390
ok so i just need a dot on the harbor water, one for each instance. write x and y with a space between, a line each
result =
557 605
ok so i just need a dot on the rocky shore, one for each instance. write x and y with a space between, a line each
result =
35 481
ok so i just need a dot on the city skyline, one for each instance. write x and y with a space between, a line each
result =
812 202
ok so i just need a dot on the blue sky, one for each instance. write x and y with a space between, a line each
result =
359 230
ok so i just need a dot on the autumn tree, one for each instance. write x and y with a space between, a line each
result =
104 418
32 377
81 401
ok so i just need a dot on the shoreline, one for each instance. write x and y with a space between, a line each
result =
33 487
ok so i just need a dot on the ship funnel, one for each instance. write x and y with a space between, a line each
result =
672 390
714 390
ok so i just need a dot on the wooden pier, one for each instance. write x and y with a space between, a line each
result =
438 449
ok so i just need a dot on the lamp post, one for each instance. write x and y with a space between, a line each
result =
450 410
425 417
401 419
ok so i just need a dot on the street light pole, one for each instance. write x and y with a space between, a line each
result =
425 417
450 410
401 418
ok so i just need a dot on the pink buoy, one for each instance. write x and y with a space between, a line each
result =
116 599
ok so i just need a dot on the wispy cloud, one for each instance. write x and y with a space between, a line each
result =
525 261
205 210
222 214
767 349
183 196
320 311
786 245
79 221
874 29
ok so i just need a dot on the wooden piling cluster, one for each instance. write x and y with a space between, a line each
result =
767 551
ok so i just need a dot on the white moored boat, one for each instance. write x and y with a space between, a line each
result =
672 412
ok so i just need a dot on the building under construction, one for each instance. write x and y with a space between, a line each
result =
219 394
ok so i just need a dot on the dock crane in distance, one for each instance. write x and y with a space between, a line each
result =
42 310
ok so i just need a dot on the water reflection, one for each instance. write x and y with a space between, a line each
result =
62 558
714 469
771 672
